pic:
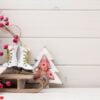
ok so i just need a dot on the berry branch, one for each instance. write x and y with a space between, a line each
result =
4 24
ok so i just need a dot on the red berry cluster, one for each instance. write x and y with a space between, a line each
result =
7 84
4 21
15 38
5 47
1 53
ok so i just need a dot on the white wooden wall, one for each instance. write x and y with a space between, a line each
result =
70 29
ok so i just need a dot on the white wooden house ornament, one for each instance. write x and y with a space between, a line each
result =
53 68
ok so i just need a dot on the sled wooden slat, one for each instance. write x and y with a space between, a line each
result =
20 78
16 76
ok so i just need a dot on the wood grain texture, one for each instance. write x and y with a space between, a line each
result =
55 23
70 29
50 4
80 76
64 50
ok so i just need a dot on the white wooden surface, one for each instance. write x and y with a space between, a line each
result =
50 4
57 94
69 28
56 23
66 51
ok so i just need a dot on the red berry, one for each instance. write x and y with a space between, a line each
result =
6 19
8 83
16 36
1 53
1 17
1 97
6 23
1 85
1 24
5 46
15 40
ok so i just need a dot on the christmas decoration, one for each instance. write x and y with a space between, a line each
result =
23 61
8 83
18 73
6 46
1 53
4 25
17 60
45 64
11 56
1 85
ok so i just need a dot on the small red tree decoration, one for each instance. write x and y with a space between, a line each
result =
44 66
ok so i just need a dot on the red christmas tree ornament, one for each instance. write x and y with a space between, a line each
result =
46 66
1 86
8 83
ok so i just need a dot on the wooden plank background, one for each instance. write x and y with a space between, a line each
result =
70 29
50 4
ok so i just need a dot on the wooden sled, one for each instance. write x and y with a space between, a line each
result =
21 83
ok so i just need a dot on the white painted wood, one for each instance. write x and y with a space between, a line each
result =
50 4
65 50
57 94
56 23
70 29
78 76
